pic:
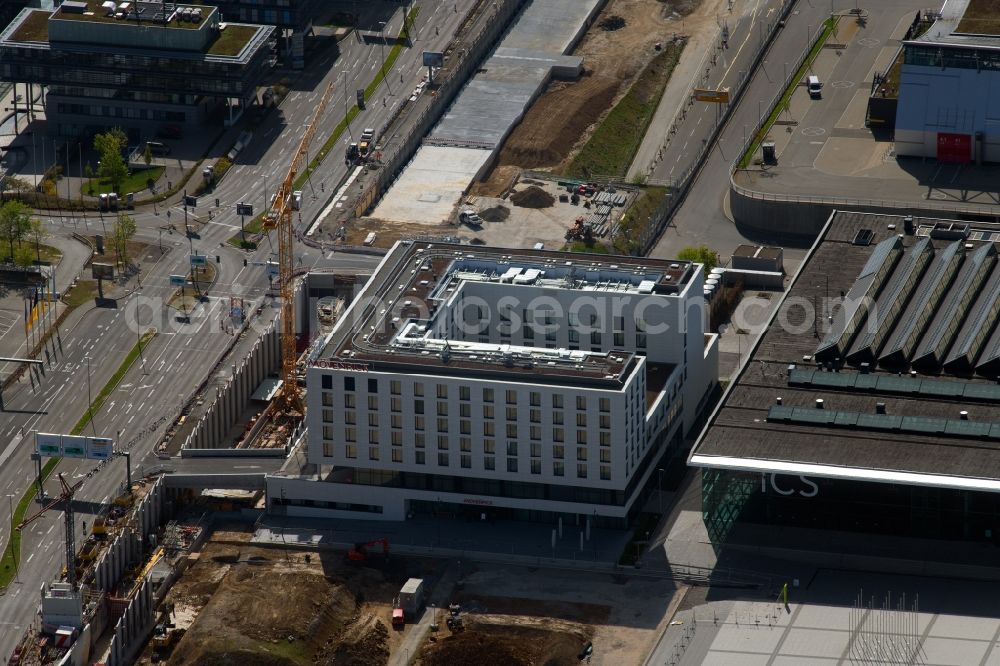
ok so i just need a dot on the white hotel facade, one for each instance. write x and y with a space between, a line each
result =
512 383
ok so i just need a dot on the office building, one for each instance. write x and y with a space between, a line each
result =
138 65
292 18
871 403
522 384
949 87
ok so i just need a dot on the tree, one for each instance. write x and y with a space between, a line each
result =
700 254
147 155
14 223
112 166
17 184
121 234
38 233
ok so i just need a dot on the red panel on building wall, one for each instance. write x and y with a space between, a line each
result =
954 147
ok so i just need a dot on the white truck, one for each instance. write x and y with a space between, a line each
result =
411 597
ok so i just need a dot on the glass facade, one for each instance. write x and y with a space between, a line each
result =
889 509
957 58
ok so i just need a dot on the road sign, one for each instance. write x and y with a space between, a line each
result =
71 446
198 259
709 95
102 271
272 269
244 209
433 59
190 200
178 280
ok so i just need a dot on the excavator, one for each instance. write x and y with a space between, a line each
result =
360 551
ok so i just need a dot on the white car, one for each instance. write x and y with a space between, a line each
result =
471 218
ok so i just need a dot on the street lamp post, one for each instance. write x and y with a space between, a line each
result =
659 488
10 504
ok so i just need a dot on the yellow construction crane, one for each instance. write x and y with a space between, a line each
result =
280 218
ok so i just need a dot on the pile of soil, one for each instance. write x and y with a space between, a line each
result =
495 214
509 641
533 197
613 22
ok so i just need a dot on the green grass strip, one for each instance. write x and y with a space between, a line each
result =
11 555
612 146
256 225
828 27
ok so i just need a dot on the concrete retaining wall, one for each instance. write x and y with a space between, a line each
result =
133 627
127 547
263 360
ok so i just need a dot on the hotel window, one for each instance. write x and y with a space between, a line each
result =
464 393
418 406
418 423
558 469
489 462
350 452
396 420
442 425
373 419
605 421
536 432
536 466
581 436
442 408
350 435
605 439
348 383
395 387
619 340
581 402
465 444
557 435
512 413
466 461
443 442
327 449
512 430
511 464
535 399
558 452
372 385
512 448
395 405
373 436
396 438
419 457
373 402
327 432
487 411
605 473
581 420
397 455
465 427
640 340
640 326
581 471
489 446
442 459
465 410
349 400
327 399
442 390
487 395
327 416
418 440
557 401
489 429
372 453
581 453
595 339
574 336
536 450
529 332
605 455
536 416
418 389
557 418
511 397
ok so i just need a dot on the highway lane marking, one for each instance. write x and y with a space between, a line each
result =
51 527
29 558
735 57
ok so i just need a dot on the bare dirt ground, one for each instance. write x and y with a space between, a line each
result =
509 640
563 117
260 606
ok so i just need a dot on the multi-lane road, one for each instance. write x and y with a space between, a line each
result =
177 360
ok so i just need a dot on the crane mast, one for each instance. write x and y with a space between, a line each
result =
280 217
66 497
